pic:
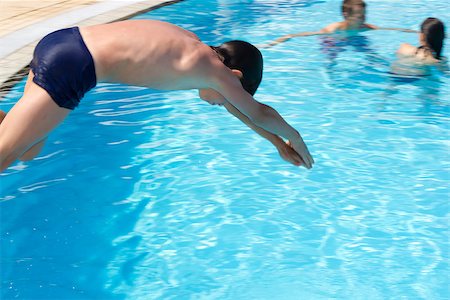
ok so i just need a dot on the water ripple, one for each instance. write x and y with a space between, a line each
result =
175 198
40 185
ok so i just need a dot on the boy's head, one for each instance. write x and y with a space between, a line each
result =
243 56
433 34
354 11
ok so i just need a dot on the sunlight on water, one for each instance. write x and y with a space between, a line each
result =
143 194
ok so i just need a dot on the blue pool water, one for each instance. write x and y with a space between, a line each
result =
142 194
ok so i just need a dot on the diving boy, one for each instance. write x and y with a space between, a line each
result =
69 62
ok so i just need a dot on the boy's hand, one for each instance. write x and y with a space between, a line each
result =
299 146
288 153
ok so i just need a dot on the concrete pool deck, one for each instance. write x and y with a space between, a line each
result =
24 22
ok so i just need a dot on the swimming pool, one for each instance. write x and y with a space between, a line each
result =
143 194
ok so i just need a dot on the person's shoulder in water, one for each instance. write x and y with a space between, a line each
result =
419 60
431 42
354 13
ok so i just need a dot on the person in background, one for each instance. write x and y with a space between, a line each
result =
414 62
354 13
431 41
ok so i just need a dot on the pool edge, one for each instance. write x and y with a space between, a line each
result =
17 63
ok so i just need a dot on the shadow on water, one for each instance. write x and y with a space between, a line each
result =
333 45
351 62
59 219
427 91
427 79
59 247
57 242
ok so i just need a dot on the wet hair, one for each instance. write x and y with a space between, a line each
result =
349 5
434 31
245 57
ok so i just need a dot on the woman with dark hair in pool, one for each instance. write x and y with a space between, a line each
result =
69 62
415 62
431 38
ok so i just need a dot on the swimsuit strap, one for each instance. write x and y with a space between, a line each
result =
426 49
420 48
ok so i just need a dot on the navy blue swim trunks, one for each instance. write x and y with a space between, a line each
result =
64 67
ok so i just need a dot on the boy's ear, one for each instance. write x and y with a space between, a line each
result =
238 73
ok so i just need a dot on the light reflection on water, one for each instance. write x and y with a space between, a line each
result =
155 195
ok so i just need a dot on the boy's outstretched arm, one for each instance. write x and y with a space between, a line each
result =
290 36
263 116
397 29
284 149
331 28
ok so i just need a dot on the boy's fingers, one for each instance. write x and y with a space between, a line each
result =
298 157
294 159
298 160
310 159
308 162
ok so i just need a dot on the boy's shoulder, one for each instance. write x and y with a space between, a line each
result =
342 26
333 27
370 26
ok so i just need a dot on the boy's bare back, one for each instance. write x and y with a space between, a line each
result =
148 53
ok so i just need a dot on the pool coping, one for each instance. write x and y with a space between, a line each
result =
15 65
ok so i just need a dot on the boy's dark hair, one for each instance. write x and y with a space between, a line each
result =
349 5
434 32
245 57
